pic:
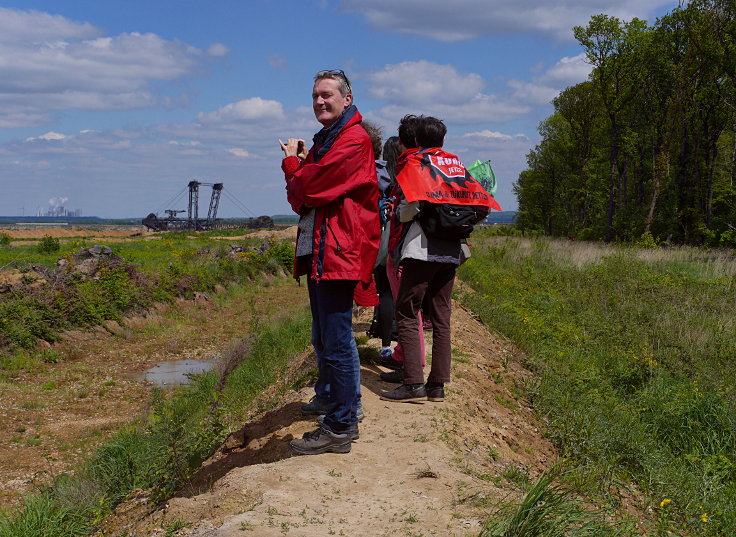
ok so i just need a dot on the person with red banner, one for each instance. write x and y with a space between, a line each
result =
430 177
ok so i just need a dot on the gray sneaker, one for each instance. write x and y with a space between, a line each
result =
322 441
314 406
406 393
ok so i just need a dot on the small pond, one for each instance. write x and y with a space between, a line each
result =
175 373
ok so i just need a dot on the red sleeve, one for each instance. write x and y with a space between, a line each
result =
365 294
290 165
340 170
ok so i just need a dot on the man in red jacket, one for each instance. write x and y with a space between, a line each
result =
333 189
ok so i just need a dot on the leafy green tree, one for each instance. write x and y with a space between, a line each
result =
648 144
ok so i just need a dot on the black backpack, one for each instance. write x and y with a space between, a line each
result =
450 221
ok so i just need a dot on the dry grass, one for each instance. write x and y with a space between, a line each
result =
700 263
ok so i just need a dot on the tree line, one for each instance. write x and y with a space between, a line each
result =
647 145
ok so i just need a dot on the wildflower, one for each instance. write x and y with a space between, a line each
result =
664 503
704 517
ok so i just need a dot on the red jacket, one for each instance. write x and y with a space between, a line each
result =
343 188
395 232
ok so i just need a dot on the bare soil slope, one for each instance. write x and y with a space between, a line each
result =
417 469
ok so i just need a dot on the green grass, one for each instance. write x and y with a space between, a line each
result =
634 350
549 510
160 451
151 271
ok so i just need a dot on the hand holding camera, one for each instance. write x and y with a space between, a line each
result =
294 147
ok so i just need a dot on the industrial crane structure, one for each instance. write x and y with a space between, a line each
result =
193 221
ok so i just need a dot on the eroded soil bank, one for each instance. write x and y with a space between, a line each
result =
417 469
53 413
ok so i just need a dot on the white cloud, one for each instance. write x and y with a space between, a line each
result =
486 135
51 135
191 143
31 164
18 26
252 109
10 119
49 63
424 87
105 65
568 71
218 49
422 82
484 109
277 62
545 87
239 152
467 19
532 93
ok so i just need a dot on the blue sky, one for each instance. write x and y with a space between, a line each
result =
113 106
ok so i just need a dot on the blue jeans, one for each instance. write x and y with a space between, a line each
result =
338 384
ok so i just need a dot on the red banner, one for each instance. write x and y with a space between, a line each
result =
438 176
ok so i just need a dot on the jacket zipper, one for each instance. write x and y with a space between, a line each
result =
339 248
320 261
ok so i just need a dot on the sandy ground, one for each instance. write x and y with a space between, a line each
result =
417 469
270 234
117 235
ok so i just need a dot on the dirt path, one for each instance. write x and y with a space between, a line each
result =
417 469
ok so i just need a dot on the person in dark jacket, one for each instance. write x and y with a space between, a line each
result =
333 189
428 271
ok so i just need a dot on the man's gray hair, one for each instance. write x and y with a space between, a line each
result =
340 76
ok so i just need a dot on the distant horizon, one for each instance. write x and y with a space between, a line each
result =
61 219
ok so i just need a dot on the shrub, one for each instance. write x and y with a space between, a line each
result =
48 245
283 252
5 239
646 240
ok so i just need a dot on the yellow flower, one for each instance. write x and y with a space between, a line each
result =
704 517
664 503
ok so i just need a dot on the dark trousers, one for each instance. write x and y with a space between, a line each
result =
337 354
385 305
435 281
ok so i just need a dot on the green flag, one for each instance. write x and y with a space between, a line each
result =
483 173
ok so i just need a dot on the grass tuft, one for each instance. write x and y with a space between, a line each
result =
548 510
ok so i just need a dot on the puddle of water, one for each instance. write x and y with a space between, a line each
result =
171 374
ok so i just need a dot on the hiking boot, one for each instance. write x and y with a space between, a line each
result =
435 391
322 441
314 406
358 414
406 393
354 432
390 363
397 377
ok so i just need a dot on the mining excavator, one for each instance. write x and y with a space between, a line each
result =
193 222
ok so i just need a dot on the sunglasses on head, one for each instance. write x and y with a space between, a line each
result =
338 73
